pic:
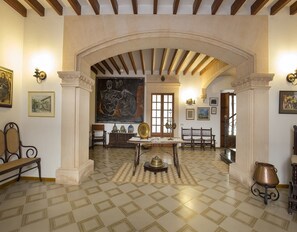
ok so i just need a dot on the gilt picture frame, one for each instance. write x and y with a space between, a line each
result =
41 104
6 90
288 102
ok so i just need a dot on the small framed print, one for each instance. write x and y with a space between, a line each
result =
213 101
203 113
213 110
41 104
190 114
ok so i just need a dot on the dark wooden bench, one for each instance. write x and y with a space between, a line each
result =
14 156
200 137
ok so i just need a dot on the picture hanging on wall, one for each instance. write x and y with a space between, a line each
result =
190 114
213 101
41 104
6 82
213 110
288 102
120 100
203 113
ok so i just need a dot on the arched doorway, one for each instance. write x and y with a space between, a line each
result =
252 89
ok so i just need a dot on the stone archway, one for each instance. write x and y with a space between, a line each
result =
252 94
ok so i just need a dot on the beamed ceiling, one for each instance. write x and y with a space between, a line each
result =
155 61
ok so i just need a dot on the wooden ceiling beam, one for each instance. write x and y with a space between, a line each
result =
17 6
215 6
293 8
36 6
182 61
155 10
124 64
75 6
152 61
199 65
236 6
100 68
191 63
174 57
208 66
135 6
142 62
115 65
132 62
162 64
95 5
115 6
257 6
56 6
175 7
94 70
106 65
278 6
196 6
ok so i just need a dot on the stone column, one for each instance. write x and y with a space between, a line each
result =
75 162
252 139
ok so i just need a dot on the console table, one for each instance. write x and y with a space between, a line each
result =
120 139
155 140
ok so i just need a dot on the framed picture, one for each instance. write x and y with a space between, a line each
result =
213 110
203 113
190 114
213 101
6 81
119 100
41 104
288 102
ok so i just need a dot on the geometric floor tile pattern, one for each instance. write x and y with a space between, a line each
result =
218 203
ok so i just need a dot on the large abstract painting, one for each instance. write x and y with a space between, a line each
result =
119 100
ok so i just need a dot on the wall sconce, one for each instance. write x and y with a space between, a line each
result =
40 75
190 101
292 78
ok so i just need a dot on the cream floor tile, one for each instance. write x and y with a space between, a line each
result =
218 203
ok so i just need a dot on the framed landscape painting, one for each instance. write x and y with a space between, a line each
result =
203 113
41 104
6 81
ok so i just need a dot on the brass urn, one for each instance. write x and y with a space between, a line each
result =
265 174
156 162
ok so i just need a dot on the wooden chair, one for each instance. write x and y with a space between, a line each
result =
196 138
186 135
98 135
208 139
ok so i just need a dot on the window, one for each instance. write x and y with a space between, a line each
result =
162 114
232 115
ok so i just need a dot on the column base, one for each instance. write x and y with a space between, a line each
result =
73 176
238 173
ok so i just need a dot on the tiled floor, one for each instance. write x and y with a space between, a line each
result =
217 203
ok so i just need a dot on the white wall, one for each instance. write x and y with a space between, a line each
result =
26 44
11 57
282 60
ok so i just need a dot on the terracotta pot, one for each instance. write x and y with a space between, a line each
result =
265 174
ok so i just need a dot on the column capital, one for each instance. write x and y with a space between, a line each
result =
253 81
76 79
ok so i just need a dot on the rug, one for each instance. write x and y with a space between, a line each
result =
124 174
